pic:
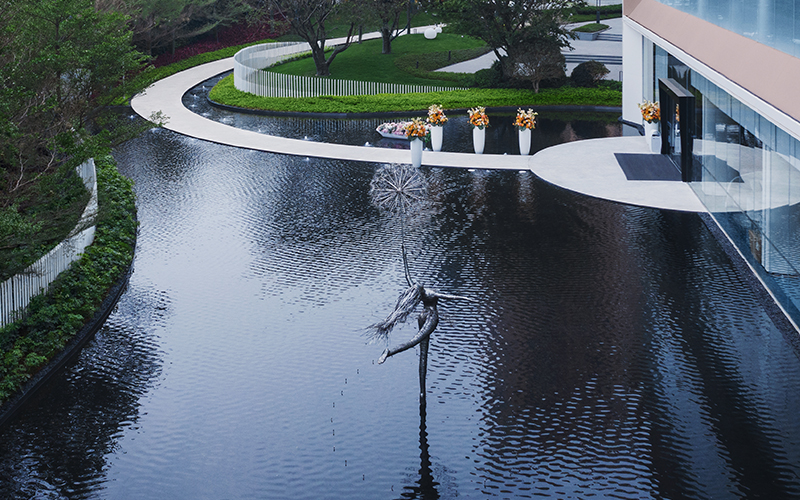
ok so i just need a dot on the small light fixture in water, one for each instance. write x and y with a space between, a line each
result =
305 138
367 144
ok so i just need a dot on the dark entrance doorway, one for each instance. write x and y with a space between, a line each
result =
677 127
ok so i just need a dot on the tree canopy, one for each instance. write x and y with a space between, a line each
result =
309 19
515 29
60 58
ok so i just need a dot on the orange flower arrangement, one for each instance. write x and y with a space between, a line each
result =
416 129
651 112
525 119
436 115
478 118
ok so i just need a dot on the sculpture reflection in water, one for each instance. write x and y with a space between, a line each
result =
401 188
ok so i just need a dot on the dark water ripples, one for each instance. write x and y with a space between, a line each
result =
612 351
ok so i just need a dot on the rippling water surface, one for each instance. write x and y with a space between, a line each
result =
612 351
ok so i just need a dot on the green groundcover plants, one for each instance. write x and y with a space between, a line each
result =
224 92
54 318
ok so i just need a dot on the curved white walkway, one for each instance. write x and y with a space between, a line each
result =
588 167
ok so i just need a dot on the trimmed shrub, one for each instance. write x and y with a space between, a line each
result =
588 74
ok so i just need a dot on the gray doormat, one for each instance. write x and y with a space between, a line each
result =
648 167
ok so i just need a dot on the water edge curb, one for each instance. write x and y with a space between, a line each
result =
71 349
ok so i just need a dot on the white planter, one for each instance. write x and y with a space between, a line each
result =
478 139
436 137
525 141
655 143
416 152
650 129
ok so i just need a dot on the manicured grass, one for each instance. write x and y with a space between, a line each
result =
591 27
364 62
226 93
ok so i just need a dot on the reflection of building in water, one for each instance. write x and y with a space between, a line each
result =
741 61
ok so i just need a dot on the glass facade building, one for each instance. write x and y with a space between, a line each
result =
746 168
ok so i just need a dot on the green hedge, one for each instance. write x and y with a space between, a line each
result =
589 12
224 92
53 319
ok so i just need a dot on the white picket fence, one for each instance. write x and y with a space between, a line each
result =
250 75
17 291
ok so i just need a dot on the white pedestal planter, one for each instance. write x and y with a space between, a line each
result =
524 141
478 139
655 143
650 129
416 152
436 137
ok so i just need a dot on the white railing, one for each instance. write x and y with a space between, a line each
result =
249 75
17 291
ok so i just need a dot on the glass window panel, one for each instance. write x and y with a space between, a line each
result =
765 27
747 119
766 132
746 16
735 111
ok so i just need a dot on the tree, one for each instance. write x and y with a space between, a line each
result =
387 13
158 24
510 27
307 19
60 59
539 60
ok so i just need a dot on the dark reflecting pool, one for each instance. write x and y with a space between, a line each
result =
501 136
612 351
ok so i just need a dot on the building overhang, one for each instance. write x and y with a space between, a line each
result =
760 76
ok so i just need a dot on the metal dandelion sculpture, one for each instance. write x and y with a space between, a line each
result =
401 188
398 188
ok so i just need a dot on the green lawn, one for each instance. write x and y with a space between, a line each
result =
225 92
364 62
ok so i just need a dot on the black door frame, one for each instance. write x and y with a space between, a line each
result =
674 96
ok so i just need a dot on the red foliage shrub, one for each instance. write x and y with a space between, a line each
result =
237 34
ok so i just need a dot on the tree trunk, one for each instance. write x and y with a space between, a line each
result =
320 63
386 34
